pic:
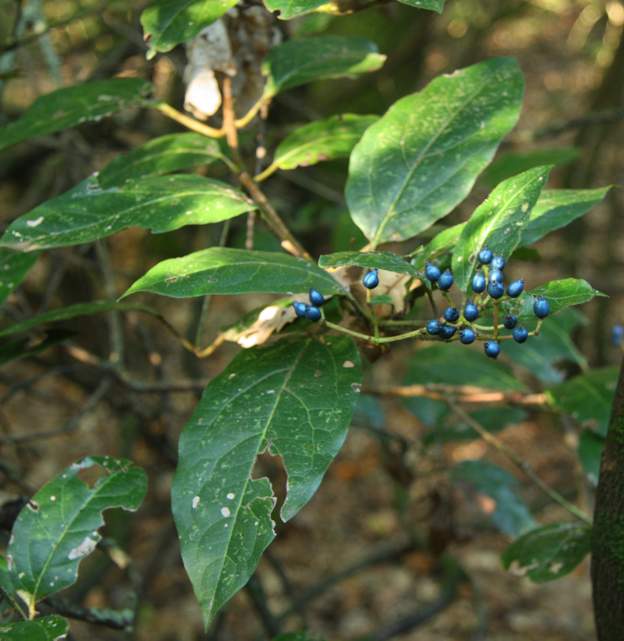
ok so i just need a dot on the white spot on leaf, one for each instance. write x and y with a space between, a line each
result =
86 547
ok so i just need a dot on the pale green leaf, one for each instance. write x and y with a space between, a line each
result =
370 260
14 266
294 398
50 628
288 9
423 156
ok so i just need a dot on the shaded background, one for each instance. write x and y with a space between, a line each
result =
386 506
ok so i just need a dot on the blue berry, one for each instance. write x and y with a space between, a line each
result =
433 327
300 308
446 280
485 256
510 321
497 276
371 279
515 288
447 331
313 313
617 334
496 290
316 298
467 336
498 262
492 348
451 314
432 272
471 312
520 334
541 307
478 283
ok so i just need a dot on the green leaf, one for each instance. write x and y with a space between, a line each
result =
557 208
590 448
87 212
72 106
587 398
321 140
423 156
439 245
167 23
14 266
549 552
58 527
25 346
289 9
50 628
370 260
294 398
222 270
498 222
510 514
297 62
431 5
161 156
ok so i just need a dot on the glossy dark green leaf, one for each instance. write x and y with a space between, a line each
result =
370 260
509 514
320 140
50 628
14 266
557 208
294 398
167 23
590 449
59 526
299 61
158 203
161 156
8 598
72 106
423 156
222 270
587 397
549 552
498 222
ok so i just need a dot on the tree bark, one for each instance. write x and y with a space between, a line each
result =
607 567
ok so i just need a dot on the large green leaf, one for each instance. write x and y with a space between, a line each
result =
423 156
88 212
510 514
72 106
167 23
587 397
321 140
439 245
222 270
59 526
549 552
294 398
161 156
14 266
371 260
498 222
50 628
297 62
557 208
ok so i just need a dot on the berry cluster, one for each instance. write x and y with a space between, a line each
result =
313 310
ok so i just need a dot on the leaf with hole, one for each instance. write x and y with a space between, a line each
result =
50 628
294 398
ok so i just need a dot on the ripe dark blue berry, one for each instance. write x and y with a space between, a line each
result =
515 288
467 336
451 314
496 290
471 311
617 334
432 272
498 262
313 313
446 280
371 279
520 334
433 327
478 283
497 276
300 308
510 321
447 331
316 298
485 256
541 307
492 348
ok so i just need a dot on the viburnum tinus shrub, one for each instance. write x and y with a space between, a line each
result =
294 388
